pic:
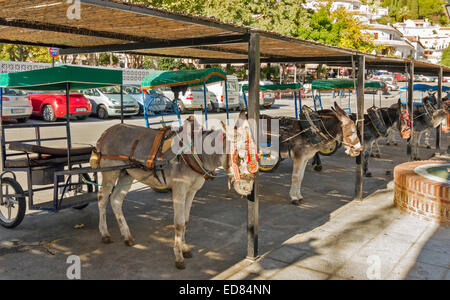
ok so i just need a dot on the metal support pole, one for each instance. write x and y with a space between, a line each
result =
300 101
439 104
2 129
226 102
409 148
296 105
121 105
206 105
360 125
69 137
254 71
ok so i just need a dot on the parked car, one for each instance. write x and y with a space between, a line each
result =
16 105
159 104
400 77
53 106
266 99
193 99
106 102
391 83
218 89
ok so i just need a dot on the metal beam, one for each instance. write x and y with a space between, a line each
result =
160 13
4 41
409 149
439 103
160 44
360 125
309 60
254 73
69 30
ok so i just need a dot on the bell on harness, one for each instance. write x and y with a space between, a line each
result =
313 127
377 121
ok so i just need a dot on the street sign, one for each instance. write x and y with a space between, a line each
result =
54 52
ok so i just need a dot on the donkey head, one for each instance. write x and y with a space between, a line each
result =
350 138
242 162
404 124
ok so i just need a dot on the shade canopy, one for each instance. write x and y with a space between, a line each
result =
421 87
54 79
344 84
183 77
291 87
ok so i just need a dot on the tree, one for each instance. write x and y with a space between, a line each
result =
12 52
446 57
337 28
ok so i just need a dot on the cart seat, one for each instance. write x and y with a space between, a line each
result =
45 161
55 152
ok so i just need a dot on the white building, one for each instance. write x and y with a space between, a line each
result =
434 38
392 39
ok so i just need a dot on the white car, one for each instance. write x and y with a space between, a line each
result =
16 105
266 99
106 102
218 89
193 99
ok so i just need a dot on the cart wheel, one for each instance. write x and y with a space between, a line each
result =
268 163
329 149
79 190
13 204
161 190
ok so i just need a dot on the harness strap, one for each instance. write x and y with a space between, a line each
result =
156 145
193 163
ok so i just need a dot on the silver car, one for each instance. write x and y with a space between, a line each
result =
16 105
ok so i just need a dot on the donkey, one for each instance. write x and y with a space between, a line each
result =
390 117
426 117
337 124
185 173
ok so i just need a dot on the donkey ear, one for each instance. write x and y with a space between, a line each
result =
339 110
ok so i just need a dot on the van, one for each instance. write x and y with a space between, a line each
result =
218 89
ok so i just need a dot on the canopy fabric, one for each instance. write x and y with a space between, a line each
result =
183 77
344 84
56 78
421 87
290 87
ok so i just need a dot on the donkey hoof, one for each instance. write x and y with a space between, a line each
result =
129 243
318 168
368 174
180 265
187 254
107 240
388 172
395 144
428 147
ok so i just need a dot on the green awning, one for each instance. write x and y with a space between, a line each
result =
54 79
290 87
183 77
343 84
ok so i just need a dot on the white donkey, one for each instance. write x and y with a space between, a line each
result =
185 172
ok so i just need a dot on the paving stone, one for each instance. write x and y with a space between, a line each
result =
427 272
266 267
434 258
321 263
287 254
297 273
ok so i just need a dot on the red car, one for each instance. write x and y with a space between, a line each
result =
53 106
400 78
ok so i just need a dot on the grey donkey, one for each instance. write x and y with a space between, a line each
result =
185 173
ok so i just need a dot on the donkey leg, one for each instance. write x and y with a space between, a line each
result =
185 247
366 156
179 207
108 180
120 191
427 139
317 162
297 178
